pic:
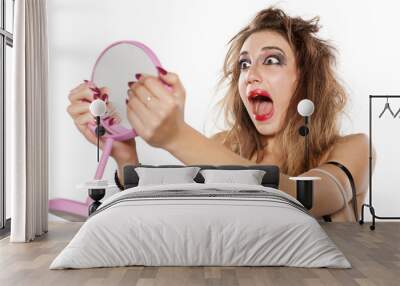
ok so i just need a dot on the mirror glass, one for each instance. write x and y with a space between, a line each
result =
115 68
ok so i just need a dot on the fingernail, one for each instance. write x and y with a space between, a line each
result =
95 89
138 75
129 92
85 80
112 121
130 83
126 101
161 70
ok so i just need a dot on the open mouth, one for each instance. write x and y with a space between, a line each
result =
261 104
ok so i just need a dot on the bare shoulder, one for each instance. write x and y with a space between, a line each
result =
355 147
356 138
351 143
353 152
351 148
219 136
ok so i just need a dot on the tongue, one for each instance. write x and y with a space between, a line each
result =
263 107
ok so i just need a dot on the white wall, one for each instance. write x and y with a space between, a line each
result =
190 38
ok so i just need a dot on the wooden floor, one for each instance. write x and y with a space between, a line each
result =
374 255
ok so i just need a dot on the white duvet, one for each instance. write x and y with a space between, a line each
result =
265 229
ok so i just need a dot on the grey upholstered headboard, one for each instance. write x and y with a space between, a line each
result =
270 179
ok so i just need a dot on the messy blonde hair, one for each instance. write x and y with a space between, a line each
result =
317 81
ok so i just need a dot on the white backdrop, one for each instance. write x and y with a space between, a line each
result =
190 38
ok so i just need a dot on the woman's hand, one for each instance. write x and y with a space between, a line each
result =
80 98
156 111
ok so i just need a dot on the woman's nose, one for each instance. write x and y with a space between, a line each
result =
253 75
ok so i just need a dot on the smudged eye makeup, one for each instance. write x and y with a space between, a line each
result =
244 64
276 59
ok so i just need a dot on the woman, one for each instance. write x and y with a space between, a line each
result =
271 65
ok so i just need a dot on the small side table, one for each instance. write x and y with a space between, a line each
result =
304 190
96 191
96 195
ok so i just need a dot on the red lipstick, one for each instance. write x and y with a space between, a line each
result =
263 117
255 104
258 91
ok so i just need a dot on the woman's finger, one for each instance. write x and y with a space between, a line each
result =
84 119
173 81
78 108
111 109
141 79
156 87
111 113
170 78
77 88
153 94
137 107
104 91
176 88
149 99
82 94
116 119
136 123
89 83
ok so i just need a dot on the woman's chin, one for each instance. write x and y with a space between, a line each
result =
265 130
266 124
266 127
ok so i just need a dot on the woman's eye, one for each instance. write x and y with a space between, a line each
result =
244 64
272 60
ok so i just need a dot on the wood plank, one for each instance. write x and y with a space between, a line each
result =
374 255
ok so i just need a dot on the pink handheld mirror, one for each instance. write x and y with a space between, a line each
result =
114 68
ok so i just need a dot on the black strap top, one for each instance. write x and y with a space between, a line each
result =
353 188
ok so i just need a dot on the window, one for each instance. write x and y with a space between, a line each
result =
6 44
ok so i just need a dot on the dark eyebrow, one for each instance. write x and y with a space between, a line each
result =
264 49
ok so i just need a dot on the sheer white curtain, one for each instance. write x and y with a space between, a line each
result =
27 116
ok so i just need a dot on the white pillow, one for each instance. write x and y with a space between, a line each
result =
162 176
248 177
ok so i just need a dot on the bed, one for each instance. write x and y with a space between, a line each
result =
201 223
